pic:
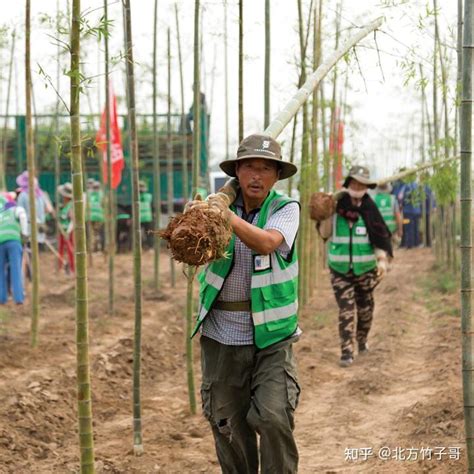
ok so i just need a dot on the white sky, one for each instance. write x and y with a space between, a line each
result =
380 119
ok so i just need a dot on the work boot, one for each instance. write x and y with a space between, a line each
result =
363 348
346 360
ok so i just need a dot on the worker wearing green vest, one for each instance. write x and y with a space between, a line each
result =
358 250
95 195
13 230
146 215
248 317
388 206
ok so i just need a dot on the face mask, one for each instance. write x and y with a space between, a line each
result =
356 194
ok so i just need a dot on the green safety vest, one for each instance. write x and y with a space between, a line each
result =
350 248
9 226
385 202
145 208
274 291
64 218
96 211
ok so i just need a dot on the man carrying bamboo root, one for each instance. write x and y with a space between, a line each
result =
358 253
248 320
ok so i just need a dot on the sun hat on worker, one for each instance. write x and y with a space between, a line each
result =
65 190
96 185
259 146
360 174
142 186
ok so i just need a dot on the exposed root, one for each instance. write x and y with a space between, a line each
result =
198 237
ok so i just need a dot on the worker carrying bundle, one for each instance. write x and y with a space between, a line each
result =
358 252
247 315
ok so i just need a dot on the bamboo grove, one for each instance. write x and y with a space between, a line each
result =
310 125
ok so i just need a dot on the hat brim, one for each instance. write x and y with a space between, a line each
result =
286 169
367 182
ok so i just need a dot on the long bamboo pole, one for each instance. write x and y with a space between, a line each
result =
110 192
137 241
156 158
30 154
467 322
86 438
294 104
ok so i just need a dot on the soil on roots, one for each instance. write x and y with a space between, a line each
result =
198 237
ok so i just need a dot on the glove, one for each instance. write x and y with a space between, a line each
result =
197 203
321 206
230 188
382 267
220 202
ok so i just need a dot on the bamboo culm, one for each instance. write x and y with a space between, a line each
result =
137 247
467 325
30 155
110 223
86 438
156 158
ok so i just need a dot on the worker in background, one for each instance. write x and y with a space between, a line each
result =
390 210
359 246
66 223
43 205
13 231
95 198
410 195
146 215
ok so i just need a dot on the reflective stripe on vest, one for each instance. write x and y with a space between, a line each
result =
273 291
350 248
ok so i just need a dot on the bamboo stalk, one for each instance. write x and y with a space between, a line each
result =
110 192
137 247
57 153
156 158
184 160
30 155
226 83
169 160
196 102
294 104
266 82
467 323
86 439
241 70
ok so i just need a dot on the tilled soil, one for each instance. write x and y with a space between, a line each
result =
383 414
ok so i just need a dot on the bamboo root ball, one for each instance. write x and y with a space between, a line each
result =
198 237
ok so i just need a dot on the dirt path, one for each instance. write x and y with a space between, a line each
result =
406 393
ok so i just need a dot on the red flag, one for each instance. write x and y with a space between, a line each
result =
116 156
336 142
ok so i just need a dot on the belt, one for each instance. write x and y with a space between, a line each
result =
232 305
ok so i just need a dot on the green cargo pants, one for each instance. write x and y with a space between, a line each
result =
246 391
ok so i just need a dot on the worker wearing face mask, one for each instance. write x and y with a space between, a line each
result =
359 248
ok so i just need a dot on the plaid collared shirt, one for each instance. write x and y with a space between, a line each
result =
236 327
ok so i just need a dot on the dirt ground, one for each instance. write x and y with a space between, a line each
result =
391 407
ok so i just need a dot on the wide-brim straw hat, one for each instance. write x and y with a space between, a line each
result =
360 174
259 146
65 190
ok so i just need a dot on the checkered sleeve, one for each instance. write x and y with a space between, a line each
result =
286 221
